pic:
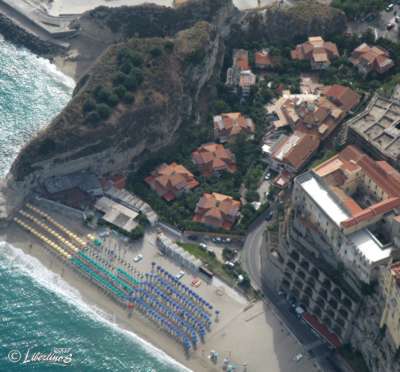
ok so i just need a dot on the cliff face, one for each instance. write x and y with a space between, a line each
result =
176 71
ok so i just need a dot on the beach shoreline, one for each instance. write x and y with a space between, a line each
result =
93 296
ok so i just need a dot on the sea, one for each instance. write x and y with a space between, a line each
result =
41 316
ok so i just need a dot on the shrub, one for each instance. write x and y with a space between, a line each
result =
119 78
126 67
137 233
126 55
93 117
169 46
120 91
128 98
130 83
101 94
113 100
104 111
137 73
156 52
89 105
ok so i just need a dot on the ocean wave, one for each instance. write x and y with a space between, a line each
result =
32 267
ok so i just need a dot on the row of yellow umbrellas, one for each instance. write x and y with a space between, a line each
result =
57 224
55 247
50 230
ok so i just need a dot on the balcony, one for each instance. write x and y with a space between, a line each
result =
298 284
301 274
343 313
291 265
308 291
327 284
311 282
333 303
341 322
347 303
288 275
337 293
317 312
295 256
320 302
305 265
323 293
330 313
315 273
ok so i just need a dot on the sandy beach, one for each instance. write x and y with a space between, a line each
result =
94 296
247 334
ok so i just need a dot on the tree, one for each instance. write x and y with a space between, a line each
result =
93 117
126 55
104 111
120 91
137 233
89 105
156 52
128 98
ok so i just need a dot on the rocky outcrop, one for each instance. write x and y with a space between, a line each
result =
19 37
174 82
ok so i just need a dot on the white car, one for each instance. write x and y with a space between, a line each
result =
298 357
180 275
138 258
203 245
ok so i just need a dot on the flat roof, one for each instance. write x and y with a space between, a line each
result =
324 200
117 214
363 239
366 244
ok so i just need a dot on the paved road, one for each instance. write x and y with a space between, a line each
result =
253 257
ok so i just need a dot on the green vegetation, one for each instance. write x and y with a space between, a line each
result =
128 77
359 8
137 233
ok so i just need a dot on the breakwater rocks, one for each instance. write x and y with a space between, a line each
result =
19 37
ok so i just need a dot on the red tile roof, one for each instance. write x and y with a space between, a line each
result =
213 157
262 59
232 124
372 58
168 181
217 210
297 149
316 50
345 97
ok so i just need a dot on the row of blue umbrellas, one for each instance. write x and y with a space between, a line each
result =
189 291
176 307
173 317
184 300
163 323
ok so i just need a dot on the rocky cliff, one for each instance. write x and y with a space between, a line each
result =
175 71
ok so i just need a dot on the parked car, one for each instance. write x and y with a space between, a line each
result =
229 264
267 176
389 26
203 245
196 282
138 258
298 357
269 216
390 7
180 275
192 237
